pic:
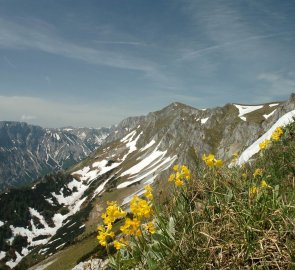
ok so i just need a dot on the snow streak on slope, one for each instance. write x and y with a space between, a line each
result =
204 120
151 143
152 163
274 104
269 115
245 109
101 167
254 148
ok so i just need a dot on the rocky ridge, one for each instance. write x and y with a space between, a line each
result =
137 152
27 152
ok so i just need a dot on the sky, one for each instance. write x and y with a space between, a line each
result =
92 63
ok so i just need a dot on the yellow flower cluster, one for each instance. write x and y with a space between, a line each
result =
254 190
141 210
113 212
181 174
264 144
118 244
258 172
104 232
211 161
148 192
131 227
276 135
150 227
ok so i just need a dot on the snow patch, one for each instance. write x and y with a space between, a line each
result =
254 148
274 104
148 165
130 135
151 143
74 197
132 144
100 168
2 255
56 136
60 246
269 115
101 187
145 162
245 109
49 200
204 120
11 263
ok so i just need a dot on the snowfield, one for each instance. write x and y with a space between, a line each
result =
254 148
245 109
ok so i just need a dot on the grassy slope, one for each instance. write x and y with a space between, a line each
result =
218 225
219 222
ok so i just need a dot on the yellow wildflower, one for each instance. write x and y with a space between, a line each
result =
244 175
253 191
263 184
171 177
175 167
211 161
258 172
218 163
148 192
264 144
179 183
118 245
131 227
150 227
181 173
112 213
276 135
185 172
104 233
140 208
121 243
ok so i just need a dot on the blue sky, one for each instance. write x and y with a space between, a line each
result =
93 62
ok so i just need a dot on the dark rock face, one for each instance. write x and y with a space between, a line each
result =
27 152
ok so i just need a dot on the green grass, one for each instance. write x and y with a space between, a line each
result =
216 222
69 257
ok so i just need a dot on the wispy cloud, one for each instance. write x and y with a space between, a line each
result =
40 36
190 55
131 43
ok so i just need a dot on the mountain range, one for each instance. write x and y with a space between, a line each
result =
52 223
27 151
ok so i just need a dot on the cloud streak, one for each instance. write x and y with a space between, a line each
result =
37 35
200 52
